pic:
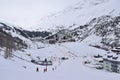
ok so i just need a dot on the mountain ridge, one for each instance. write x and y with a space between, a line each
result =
80 14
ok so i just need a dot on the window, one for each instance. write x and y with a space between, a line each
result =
106 66
117 70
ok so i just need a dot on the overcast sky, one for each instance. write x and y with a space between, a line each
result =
27 13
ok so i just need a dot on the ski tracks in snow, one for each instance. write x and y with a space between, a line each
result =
66 51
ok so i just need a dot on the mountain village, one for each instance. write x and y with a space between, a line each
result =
81 42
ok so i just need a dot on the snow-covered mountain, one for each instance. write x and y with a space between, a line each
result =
80 29
17 31
103 31
13 38
79 14
14 31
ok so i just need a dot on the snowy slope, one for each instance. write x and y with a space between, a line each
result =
80 13
20 66
10 29
71 69
23 35
103 31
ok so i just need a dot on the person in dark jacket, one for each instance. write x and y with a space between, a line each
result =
37 69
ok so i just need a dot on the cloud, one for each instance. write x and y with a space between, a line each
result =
26 13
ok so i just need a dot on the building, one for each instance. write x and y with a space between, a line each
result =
111 63
60 37
116 50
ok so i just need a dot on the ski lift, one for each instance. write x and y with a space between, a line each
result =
43 63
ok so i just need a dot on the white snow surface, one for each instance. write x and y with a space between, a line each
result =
79 14
71 69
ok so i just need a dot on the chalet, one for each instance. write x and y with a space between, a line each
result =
52 41
36 39
111 62
97 56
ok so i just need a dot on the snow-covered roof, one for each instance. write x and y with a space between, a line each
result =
112 57
98 59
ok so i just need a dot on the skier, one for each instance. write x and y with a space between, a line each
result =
37 69
45 70
52 69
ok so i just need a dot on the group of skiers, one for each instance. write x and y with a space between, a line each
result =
37 70
45 69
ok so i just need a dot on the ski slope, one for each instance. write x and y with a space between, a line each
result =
71 69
